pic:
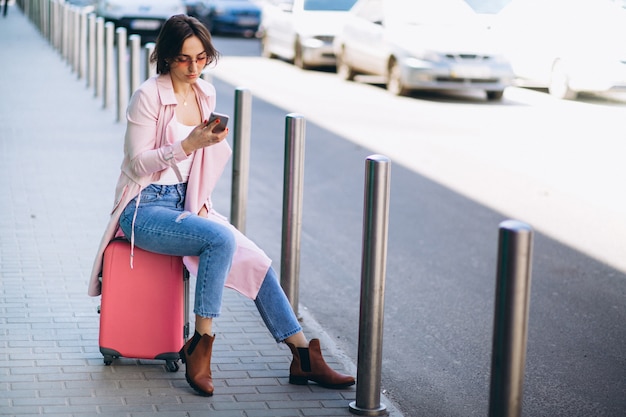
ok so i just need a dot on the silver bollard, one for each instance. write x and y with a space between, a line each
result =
82 54
293 181
99 77
91 49
75 40
61 27
45 22
510 329
135 62
47 19
60 11
373 269
69 34
109 60
122 74
241 157
65 12
56 26
150 69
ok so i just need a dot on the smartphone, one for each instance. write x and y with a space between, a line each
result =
223 121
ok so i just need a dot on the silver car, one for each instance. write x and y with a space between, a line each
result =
575 46
302 31
142 17
422 45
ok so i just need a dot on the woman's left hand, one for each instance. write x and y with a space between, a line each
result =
202 136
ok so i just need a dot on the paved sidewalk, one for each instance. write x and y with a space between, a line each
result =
59 158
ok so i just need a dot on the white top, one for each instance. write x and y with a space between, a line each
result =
168 177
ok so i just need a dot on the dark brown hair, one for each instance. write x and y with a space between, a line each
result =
173 34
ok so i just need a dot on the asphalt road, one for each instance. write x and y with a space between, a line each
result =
460 166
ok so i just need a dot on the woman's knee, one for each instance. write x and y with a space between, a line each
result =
221 238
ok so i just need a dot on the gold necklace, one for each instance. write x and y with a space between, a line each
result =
187 95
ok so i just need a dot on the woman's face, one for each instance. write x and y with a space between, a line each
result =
188 65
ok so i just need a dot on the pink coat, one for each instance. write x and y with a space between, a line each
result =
149 148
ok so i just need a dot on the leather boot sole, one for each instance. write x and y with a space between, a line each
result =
303 380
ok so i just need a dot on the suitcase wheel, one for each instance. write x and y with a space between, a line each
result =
108 360
171 366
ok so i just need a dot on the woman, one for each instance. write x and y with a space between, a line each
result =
172 161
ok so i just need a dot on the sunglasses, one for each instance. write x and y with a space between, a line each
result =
201 59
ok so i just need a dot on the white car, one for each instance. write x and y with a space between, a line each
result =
567 46
142 17
422 45
302 31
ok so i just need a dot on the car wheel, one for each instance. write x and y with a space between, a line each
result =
344 70
394 80
495 95
559 82
298 59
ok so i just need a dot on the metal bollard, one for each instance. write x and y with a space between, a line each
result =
241 158
510 329
65 21
99 77
42 18
91 49
373 267
135 62
292 207
75 35
150 69
109 59
69 35
122 74
82 55
45 22
56 25
61 28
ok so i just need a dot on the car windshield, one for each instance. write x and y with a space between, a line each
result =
429 12
488 6
332 5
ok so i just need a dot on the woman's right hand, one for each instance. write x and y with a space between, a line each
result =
202 136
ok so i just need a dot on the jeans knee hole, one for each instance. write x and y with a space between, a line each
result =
182 216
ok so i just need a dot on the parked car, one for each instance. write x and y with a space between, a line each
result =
234 17
422 45
574 45
142 17
302 31
86 5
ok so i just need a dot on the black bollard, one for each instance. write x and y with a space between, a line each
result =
510 327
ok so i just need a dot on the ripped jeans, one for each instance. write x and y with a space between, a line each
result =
162 226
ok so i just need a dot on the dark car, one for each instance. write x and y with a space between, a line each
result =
232 17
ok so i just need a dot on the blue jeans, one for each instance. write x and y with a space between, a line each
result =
162 226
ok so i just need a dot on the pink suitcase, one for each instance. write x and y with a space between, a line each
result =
144 310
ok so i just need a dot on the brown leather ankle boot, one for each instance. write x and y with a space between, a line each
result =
196 354
308 365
